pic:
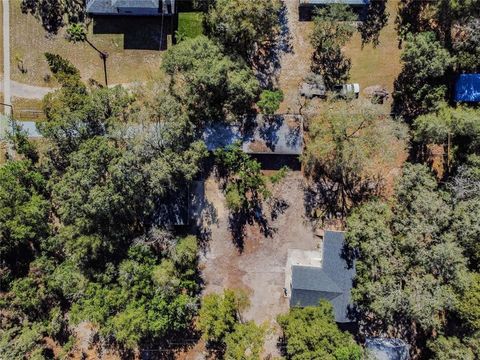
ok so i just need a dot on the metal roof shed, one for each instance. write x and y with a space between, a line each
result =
467 88
273 135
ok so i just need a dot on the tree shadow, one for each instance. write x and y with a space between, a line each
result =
332 64
265 60
239 220
376 18
170 347
203 213
328 200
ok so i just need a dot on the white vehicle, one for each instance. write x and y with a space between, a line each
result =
348 90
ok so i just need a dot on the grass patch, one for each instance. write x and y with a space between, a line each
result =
190 24
28 109
376 65
28 43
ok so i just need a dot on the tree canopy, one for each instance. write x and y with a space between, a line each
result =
311 333
212 85
244 27
24 215
351 148
83 238
332 28
410 269
421 87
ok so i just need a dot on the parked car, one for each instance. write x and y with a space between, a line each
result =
347 90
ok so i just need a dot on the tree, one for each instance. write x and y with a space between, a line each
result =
95 172
131 309
219 314
410 270
457 129
24 213
420 87
332 28
210 84
446 348
245 342
468 305
102 255
466 44
245 185
244 27
311 333
21 342
270 101
351 148
53 13
78 33
377 18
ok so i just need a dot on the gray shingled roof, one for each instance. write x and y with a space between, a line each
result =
332 281
278 134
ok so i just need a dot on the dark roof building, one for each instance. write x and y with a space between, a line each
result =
131 7
329 280
353 3
467 88
277 135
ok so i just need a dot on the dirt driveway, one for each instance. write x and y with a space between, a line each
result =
260 268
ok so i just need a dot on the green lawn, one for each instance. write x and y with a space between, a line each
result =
190 24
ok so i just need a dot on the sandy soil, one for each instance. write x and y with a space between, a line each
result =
260 268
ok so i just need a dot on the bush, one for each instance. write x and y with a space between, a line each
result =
270 101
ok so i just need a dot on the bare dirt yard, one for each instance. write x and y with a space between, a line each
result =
260 267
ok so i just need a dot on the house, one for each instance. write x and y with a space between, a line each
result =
467 88
315 275
352 3
274 141
131 7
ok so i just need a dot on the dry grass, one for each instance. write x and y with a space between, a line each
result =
29 43
28 109
380 65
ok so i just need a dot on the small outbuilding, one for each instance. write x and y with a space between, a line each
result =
387 349
467 88
312 276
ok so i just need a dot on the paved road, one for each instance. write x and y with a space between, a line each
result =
25 91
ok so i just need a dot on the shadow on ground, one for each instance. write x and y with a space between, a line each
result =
139 32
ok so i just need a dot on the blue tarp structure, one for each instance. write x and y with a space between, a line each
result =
467 88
